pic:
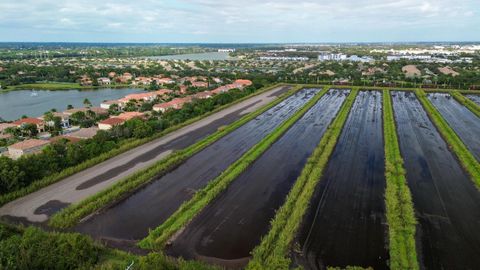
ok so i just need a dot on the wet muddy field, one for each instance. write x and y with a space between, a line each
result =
346 223
179 143
227 230
131 218
447 204
460 119
474 98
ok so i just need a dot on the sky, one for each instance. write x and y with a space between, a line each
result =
239 21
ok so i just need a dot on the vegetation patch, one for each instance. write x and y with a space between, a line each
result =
398 199
71 215
472 106
468 161
10 176
32 248
272 251
159 237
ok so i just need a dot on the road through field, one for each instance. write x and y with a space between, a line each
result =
346 223
131 218
465 123
39 205
446 202
233 224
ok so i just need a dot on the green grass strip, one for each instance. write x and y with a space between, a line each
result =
71 215
468 161
472 106
127 145
398 200
159 236
272 252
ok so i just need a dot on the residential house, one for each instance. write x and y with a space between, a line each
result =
109 123
125 78
103 81
202 95
85 81
31 146
162 81
130 115
83 133
175 104
64 119
40 124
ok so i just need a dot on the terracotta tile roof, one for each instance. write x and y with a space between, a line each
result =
34 121
129 115
27 144
112 121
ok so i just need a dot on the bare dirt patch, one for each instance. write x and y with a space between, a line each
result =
411 71
448 71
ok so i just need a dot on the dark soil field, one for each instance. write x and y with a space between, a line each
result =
346 223
227 230
447 204
179 143
460 119
475 98
146 209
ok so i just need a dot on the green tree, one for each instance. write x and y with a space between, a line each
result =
87 103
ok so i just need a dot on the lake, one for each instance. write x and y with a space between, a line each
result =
196 56
14 104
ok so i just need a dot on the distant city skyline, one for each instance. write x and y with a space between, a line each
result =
242 21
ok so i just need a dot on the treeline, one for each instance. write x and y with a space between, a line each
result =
16 174
32 248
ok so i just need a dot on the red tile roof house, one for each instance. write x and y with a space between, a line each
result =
103 81
31 146
130 115
65 119
35 121
203 95
142 81
110 123
162 81
199 84
175 104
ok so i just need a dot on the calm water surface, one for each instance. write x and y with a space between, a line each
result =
14 104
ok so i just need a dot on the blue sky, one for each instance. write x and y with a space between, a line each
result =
239 20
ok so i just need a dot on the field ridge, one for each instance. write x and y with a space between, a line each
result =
398 199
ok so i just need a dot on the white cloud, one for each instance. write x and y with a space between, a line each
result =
238 20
